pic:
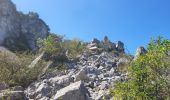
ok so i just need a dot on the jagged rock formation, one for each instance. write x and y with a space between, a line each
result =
140 51
97 46
20 31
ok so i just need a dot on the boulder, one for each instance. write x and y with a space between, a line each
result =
88 73
104 85
61 80
75 91
48 87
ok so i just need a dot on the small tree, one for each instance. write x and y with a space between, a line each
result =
53 46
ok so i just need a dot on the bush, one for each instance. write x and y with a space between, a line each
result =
148 75
53 47
14 69
59 49
75 48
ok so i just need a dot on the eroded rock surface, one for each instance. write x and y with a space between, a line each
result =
94 74
20 31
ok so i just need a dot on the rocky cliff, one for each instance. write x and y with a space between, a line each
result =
20 31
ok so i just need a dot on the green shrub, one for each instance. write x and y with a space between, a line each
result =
53 46
59 49
148 75
14 68
75 48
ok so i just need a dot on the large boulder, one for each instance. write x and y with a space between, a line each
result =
48 87
20 31
75 91
88 73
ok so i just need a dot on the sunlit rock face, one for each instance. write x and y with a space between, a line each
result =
140 51
8 19
20 31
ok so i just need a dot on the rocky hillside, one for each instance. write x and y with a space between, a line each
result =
74 70
20 31
88 78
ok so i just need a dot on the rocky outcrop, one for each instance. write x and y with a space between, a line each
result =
20 31
97 46
120 46
140 51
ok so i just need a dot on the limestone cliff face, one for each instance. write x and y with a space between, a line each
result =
20 31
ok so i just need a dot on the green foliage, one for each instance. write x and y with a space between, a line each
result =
14 68
60 49
75 47
53 46
148 75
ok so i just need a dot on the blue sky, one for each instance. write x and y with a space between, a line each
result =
134 22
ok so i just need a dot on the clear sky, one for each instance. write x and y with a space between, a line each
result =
134 22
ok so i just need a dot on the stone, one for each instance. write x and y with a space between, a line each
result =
93 48
140 51
111 72
61 80
104 85
81 75
75 91
48 87
3 86
87 74
110 64
101 76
